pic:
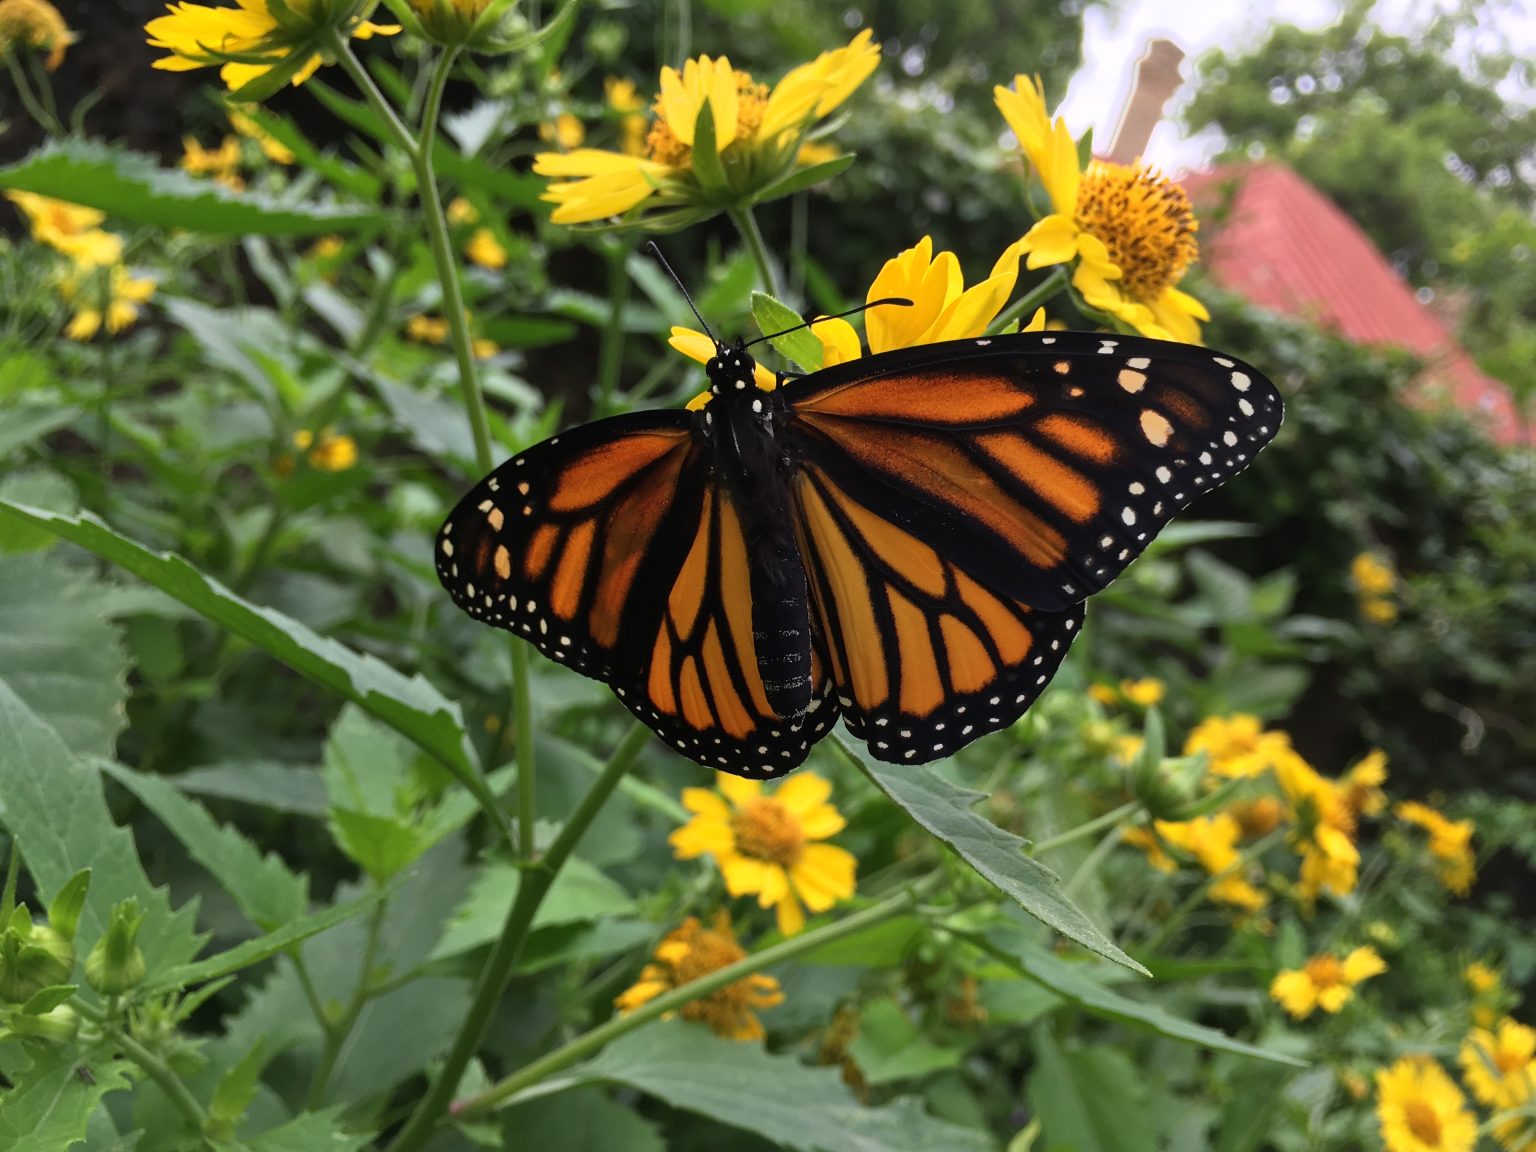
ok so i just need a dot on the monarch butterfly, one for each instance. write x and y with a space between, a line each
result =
905 539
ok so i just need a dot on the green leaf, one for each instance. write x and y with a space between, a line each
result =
777 1097
581 1120
130 186
1088 1099
802 347
580 893
410 705
261 885
1075 983
52 802
24 426
890 1047
237 1088
50 1105
379 845
802 178
706 156
262 948
59 653
294 789
1254 1095
945 809
311 1132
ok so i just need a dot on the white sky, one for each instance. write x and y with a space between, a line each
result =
1114 41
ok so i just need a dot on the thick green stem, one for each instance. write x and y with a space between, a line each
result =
1088 829
522 721
492 981
746 224
1026 304
604 1034
155 1068
611 358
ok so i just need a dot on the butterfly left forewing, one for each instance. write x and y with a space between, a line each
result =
1044 463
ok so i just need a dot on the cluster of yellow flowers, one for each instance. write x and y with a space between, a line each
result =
766 844
434 330
223 164
95 283
480 245
1373 583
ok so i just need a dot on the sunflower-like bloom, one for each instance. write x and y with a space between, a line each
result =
222 164
1323 830
753 135
1130 230
259 37
767 844
694 951
1420 1109
1237 745
1495 1061
116 304
1212 841
34 24
456 22
1450 843
1325 981
1362 784
69 228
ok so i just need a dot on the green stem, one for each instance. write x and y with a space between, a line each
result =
1088 829
746 224
336 1035
604 1034
48 124
611 357
155 1068
522 722
1034 298
1091 861
492 981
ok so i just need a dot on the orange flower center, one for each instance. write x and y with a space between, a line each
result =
765 830
1325 971
1423 1122
1144 219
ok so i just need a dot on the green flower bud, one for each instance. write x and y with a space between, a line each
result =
479 25
57 1026
32 957
115 965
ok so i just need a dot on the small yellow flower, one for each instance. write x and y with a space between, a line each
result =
1105 694
427 329
1212 841
271 147
69 228
1145 693
1495 1062
1128 749
483 349
1420 1109
1362 784
1129 229
1237 745
34 24
1325 982
1379 611
1450 843
1517 1133
1370 576
757 136
198 36
1323 832
328 452
565 131
766 844
691 952
1148 842
1481 978
115 300
625 103
484 249
221 163
327 248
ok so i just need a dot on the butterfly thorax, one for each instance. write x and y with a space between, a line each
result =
737 426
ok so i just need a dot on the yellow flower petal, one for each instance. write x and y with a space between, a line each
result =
824 875
839 342
701 837
802 792
822 822
1052 240
740 792
743 875
684 95
789 914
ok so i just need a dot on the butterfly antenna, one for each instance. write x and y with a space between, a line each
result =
905 303
676 279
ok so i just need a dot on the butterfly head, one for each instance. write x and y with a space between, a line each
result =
730 369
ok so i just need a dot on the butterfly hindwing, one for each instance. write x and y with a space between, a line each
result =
1042 463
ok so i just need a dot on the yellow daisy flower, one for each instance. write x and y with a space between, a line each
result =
1212 841
1325 982
198 36
124 292
1378 610
434 330
1481 978
1147 692
34 24
1370 576
1323 832
1517 1131
1450 843
767 844
565 131
1237 745
271 147
1420 1109
1147 841
1257 817
1129 229
221 163
69 228
691 952
757 135
328 452
1495 1062
1362 784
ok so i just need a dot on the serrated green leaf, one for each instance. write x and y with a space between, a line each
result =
261 885
262 948
889 1046
290 788
410 705
130 186
802 178
311 1132
236 1088
946 810
801 347
581 1120
1075 982
379 845
59 653
1088 1099
48 1108
777 1097
580 893
52 802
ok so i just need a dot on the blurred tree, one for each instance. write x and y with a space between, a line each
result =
1412 137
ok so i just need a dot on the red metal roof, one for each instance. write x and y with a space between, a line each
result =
1280 243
